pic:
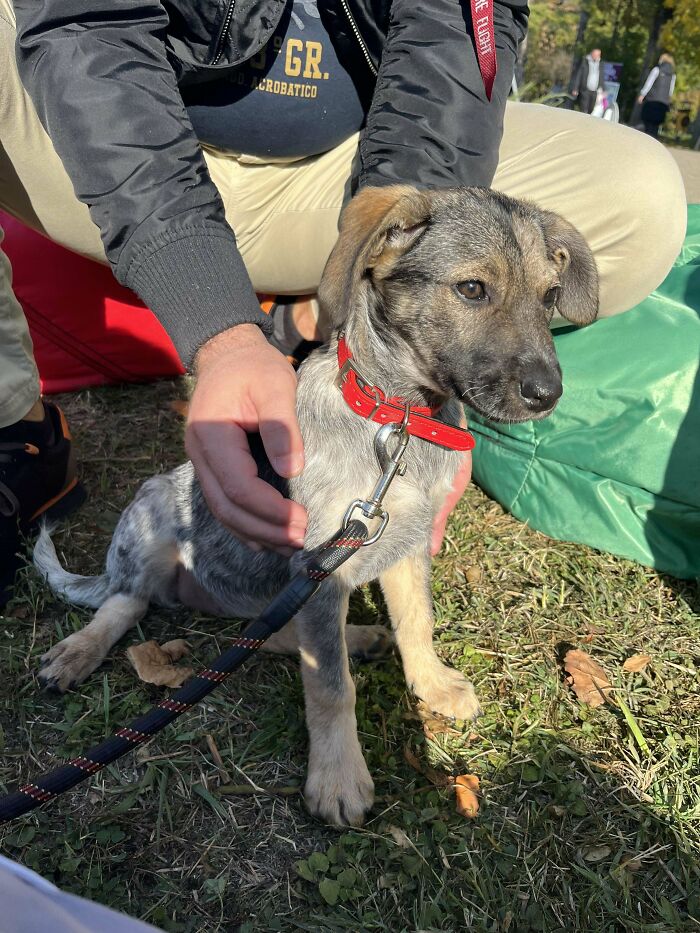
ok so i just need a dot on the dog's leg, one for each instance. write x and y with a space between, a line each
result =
71 660
406 588
339 788
364 642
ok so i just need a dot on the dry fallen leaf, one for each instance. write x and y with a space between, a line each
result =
632 864
595 853
591 632
434 724
18 612
399 837
466 789
472 575
587 678
438 778
218 761
154 663
180 406
636 663
412 759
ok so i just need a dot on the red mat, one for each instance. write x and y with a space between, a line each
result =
87 329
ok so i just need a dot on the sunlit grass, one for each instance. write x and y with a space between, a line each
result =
579 828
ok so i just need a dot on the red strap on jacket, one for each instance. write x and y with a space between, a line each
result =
485 41
370 402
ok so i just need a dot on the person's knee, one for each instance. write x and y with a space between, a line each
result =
648 223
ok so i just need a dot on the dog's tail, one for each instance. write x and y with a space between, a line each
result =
83 591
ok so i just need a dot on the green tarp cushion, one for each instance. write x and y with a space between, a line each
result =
617 466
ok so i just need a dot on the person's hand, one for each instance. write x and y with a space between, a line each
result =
459 484
243 386
574 93
640 99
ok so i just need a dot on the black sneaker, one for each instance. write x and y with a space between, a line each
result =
38 480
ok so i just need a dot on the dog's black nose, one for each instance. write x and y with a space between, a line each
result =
540 388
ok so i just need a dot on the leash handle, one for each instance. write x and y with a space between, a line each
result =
344 543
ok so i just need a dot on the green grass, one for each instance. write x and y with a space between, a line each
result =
579 828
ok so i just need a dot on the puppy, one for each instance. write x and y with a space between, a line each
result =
444 297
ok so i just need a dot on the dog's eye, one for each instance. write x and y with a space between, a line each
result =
472 289
551 296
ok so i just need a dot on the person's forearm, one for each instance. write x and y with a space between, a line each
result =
198 287
135 161
653 74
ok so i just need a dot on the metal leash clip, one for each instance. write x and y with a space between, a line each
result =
391 463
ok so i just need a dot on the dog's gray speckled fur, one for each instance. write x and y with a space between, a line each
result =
392 284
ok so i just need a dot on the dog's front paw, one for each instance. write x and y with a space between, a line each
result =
339 791
68 663
369 642
447 692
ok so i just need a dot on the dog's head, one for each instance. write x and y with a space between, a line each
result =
457 288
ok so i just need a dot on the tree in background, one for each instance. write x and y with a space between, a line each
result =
681 37
681 34
551 38
584 16
632 32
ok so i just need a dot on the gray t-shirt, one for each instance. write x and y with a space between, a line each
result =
292 99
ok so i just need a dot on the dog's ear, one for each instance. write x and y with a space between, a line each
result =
377 227
578 272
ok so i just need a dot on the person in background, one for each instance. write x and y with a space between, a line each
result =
588 82
655 96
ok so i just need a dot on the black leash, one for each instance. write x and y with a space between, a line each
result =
286 604
352 535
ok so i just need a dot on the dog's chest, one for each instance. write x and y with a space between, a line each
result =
336 476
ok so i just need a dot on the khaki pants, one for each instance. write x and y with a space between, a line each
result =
619 187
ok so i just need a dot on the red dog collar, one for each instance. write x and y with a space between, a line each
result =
369 402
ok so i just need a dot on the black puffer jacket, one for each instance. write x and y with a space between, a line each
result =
105 76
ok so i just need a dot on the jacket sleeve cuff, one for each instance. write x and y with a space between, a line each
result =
197 286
